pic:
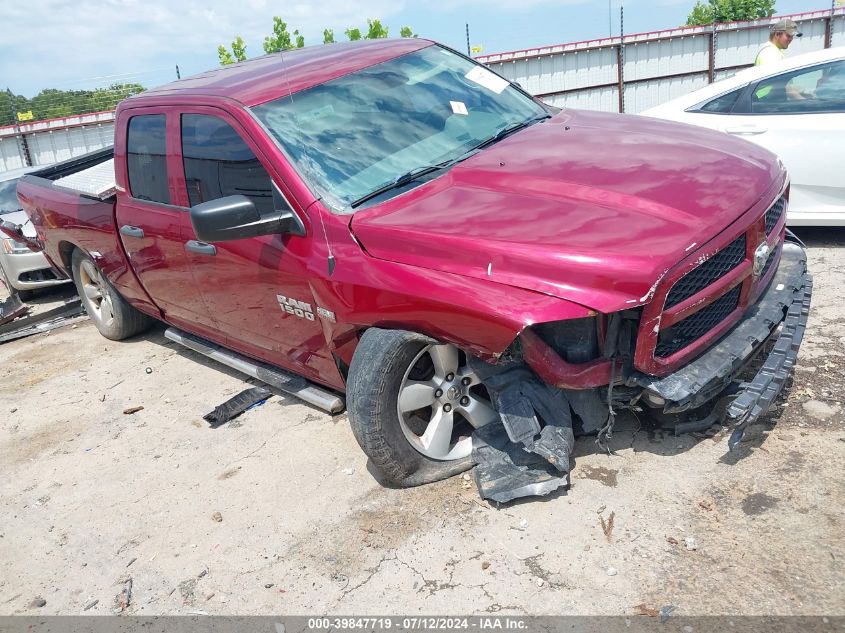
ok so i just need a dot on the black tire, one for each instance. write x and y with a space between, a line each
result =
378 367
112 315
26 295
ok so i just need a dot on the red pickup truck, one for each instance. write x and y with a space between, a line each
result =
391 221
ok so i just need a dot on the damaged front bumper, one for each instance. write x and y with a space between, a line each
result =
786 304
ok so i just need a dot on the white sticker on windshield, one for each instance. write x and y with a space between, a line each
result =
485 78
459 107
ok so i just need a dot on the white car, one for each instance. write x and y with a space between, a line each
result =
21 270
795 108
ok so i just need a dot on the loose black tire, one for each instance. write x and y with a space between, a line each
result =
112 315
375 376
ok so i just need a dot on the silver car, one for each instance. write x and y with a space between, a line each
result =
21 270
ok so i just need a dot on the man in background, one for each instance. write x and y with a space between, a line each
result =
780 37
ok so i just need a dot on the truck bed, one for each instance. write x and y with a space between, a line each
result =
90 175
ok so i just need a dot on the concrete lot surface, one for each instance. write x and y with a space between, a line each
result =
153 512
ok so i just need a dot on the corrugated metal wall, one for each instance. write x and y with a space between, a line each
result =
655 67
54 140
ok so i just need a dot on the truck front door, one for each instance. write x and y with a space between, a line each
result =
256 289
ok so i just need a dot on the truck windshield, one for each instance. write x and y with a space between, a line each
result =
381 130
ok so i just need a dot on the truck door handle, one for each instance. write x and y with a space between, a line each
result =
745 129
131 231
200 247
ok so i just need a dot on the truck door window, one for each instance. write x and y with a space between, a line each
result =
146 160
218 163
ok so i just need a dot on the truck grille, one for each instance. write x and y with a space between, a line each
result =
714 268
684 332
774 213
676 326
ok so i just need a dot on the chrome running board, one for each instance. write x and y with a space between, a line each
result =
273 376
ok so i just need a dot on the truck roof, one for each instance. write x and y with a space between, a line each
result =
269 77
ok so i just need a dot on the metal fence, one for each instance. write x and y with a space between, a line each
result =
626 74
634 72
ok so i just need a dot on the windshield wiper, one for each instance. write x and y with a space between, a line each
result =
510 129
401 181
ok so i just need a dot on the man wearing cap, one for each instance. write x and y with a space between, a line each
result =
780 38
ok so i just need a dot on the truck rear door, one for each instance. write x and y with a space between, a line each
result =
149 218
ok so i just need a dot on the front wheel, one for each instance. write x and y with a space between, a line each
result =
413 404
111 314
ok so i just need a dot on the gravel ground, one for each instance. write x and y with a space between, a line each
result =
153 512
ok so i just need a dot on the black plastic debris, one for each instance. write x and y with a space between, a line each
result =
527 454
12 308
506 471
68 313
236 405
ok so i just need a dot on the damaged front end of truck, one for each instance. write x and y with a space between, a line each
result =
715 344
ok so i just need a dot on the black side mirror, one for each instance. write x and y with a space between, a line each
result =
236 218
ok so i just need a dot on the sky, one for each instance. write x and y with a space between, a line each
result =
84 44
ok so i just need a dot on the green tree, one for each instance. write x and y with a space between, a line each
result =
238 53
280 40
353 34
407 31
729 11
239 48
10 105
299 39
375 30
224 56
328 36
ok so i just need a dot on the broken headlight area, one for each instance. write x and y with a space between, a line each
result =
557 379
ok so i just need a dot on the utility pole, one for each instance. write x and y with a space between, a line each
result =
178 76
620 59
469 53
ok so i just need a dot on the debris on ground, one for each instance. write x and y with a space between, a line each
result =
517 457
217 517
90 605
236 405
186 590
485 565
612 571
129 564
123 599
506 471
690 543
666 611
607 526
672 540
20 325
643 609
132 410
37 602
12 308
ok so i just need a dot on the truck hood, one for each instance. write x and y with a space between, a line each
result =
590 207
